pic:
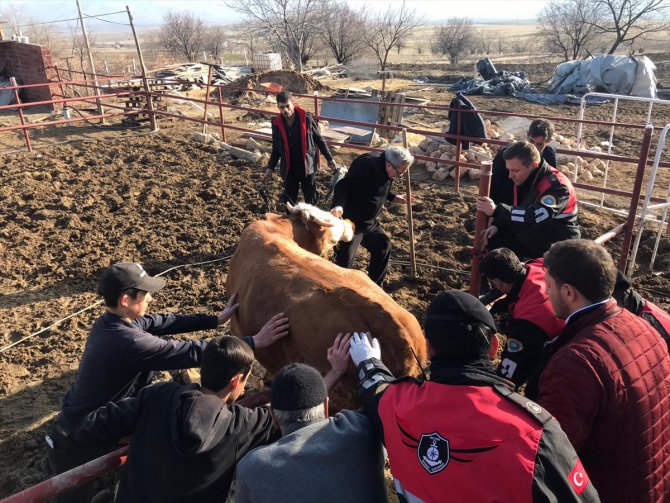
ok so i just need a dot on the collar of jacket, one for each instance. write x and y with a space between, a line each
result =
591 316
478 373
302 118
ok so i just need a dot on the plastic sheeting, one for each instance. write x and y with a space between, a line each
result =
502 83
6 97
626 75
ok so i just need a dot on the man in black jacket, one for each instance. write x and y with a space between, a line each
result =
295 138
121 353
447 435
186 439
540 133
360 197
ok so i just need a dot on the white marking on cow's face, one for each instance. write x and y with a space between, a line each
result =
340 230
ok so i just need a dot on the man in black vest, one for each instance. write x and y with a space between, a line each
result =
295 138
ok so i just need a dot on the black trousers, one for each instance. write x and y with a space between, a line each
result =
377 243
294 180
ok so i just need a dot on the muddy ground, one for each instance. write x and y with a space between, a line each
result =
67 211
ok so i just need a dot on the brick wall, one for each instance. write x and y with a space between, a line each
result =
29 63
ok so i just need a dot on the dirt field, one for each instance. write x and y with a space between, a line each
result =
70 210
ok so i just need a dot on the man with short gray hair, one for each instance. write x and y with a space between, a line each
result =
360 197
318 459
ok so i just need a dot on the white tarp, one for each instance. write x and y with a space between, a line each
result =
6 96
627 75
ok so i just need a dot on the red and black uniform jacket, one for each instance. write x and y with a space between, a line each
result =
544 211
528 323
311 139
607 381
465 435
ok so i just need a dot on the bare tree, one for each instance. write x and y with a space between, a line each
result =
387 30
215 40
343 33
568 26
454 38
629 20
519 44
290 22
15 16
182 34
487 39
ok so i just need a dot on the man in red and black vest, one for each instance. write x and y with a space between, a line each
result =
607 377
544 210
527 318
448 438
295 138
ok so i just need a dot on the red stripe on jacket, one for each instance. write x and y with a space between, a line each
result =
302 118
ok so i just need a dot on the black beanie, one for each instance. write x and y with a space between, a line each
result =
455 307
296 387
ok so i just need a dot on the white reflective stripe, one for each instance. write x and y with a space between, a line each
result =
518 211
406 494
517 219
541 214
372 381
566 215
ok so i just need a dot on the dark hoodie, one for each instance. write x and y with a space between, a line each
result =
185 444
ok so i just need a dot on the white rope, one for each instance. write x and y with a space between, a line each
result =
88 308
432 266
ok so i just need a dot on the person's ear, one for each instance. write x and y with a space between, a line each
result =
235 381
535 164
326 402
124 300
495 345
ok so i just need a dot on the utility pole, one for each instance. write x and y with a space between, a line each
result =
147 89
101 110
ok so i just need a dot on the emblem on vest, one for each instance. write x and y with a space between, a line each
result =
433 452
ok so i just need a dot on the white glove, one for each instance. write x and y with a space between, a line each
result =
361 349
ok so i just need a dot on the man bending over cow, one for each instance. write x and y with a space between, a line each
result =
318 459
122 351
186 439
360 196
451 435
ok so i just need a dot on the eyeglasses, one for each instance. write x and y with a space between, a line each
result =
397 173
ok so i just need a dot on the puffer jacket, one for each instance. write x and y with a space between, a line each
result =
608 384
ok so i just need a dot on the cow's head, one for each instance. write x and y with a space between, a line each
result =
324 229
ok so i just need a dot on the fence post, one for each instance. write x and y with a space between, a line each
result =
624 264
204 116
457 179
101 110
12 81
223 127
410 217
480 227
145 81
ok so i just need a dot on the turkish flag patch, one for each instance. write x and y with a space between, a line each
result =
578 478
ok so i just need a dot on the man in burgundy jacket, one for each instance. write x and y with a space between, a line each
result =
607 380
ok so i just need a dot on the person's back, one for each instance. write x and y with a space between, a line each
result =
622 371
330 461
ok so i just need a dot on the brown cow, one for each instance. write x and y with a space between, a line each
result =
279 267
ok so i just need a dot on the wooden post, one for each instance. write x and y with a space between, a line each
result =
204 113
147 89
101 110
12 81
480 227
459 146
410 217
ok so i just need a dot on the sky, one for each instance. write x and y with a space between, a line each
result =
148 13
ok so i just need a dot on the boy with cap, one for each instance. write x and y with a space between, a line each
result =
447 435
122 351
187 438
318 459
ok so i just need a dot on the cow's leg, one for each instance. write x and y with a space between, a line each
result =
310 190
379 245
345 253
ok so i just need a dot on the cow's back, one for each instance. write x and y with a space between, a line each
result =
272 274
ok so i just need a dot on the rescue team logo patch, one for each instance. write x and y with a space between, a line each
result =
433 452
548 200
578 478
514 345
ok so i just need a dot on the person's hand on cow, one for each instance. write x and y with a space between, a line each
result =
337 211
361 349
228 311
267 176
332 165
338 357
272 331
486 205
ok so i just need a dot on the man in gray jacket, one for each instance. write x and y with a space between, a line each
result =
319 459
